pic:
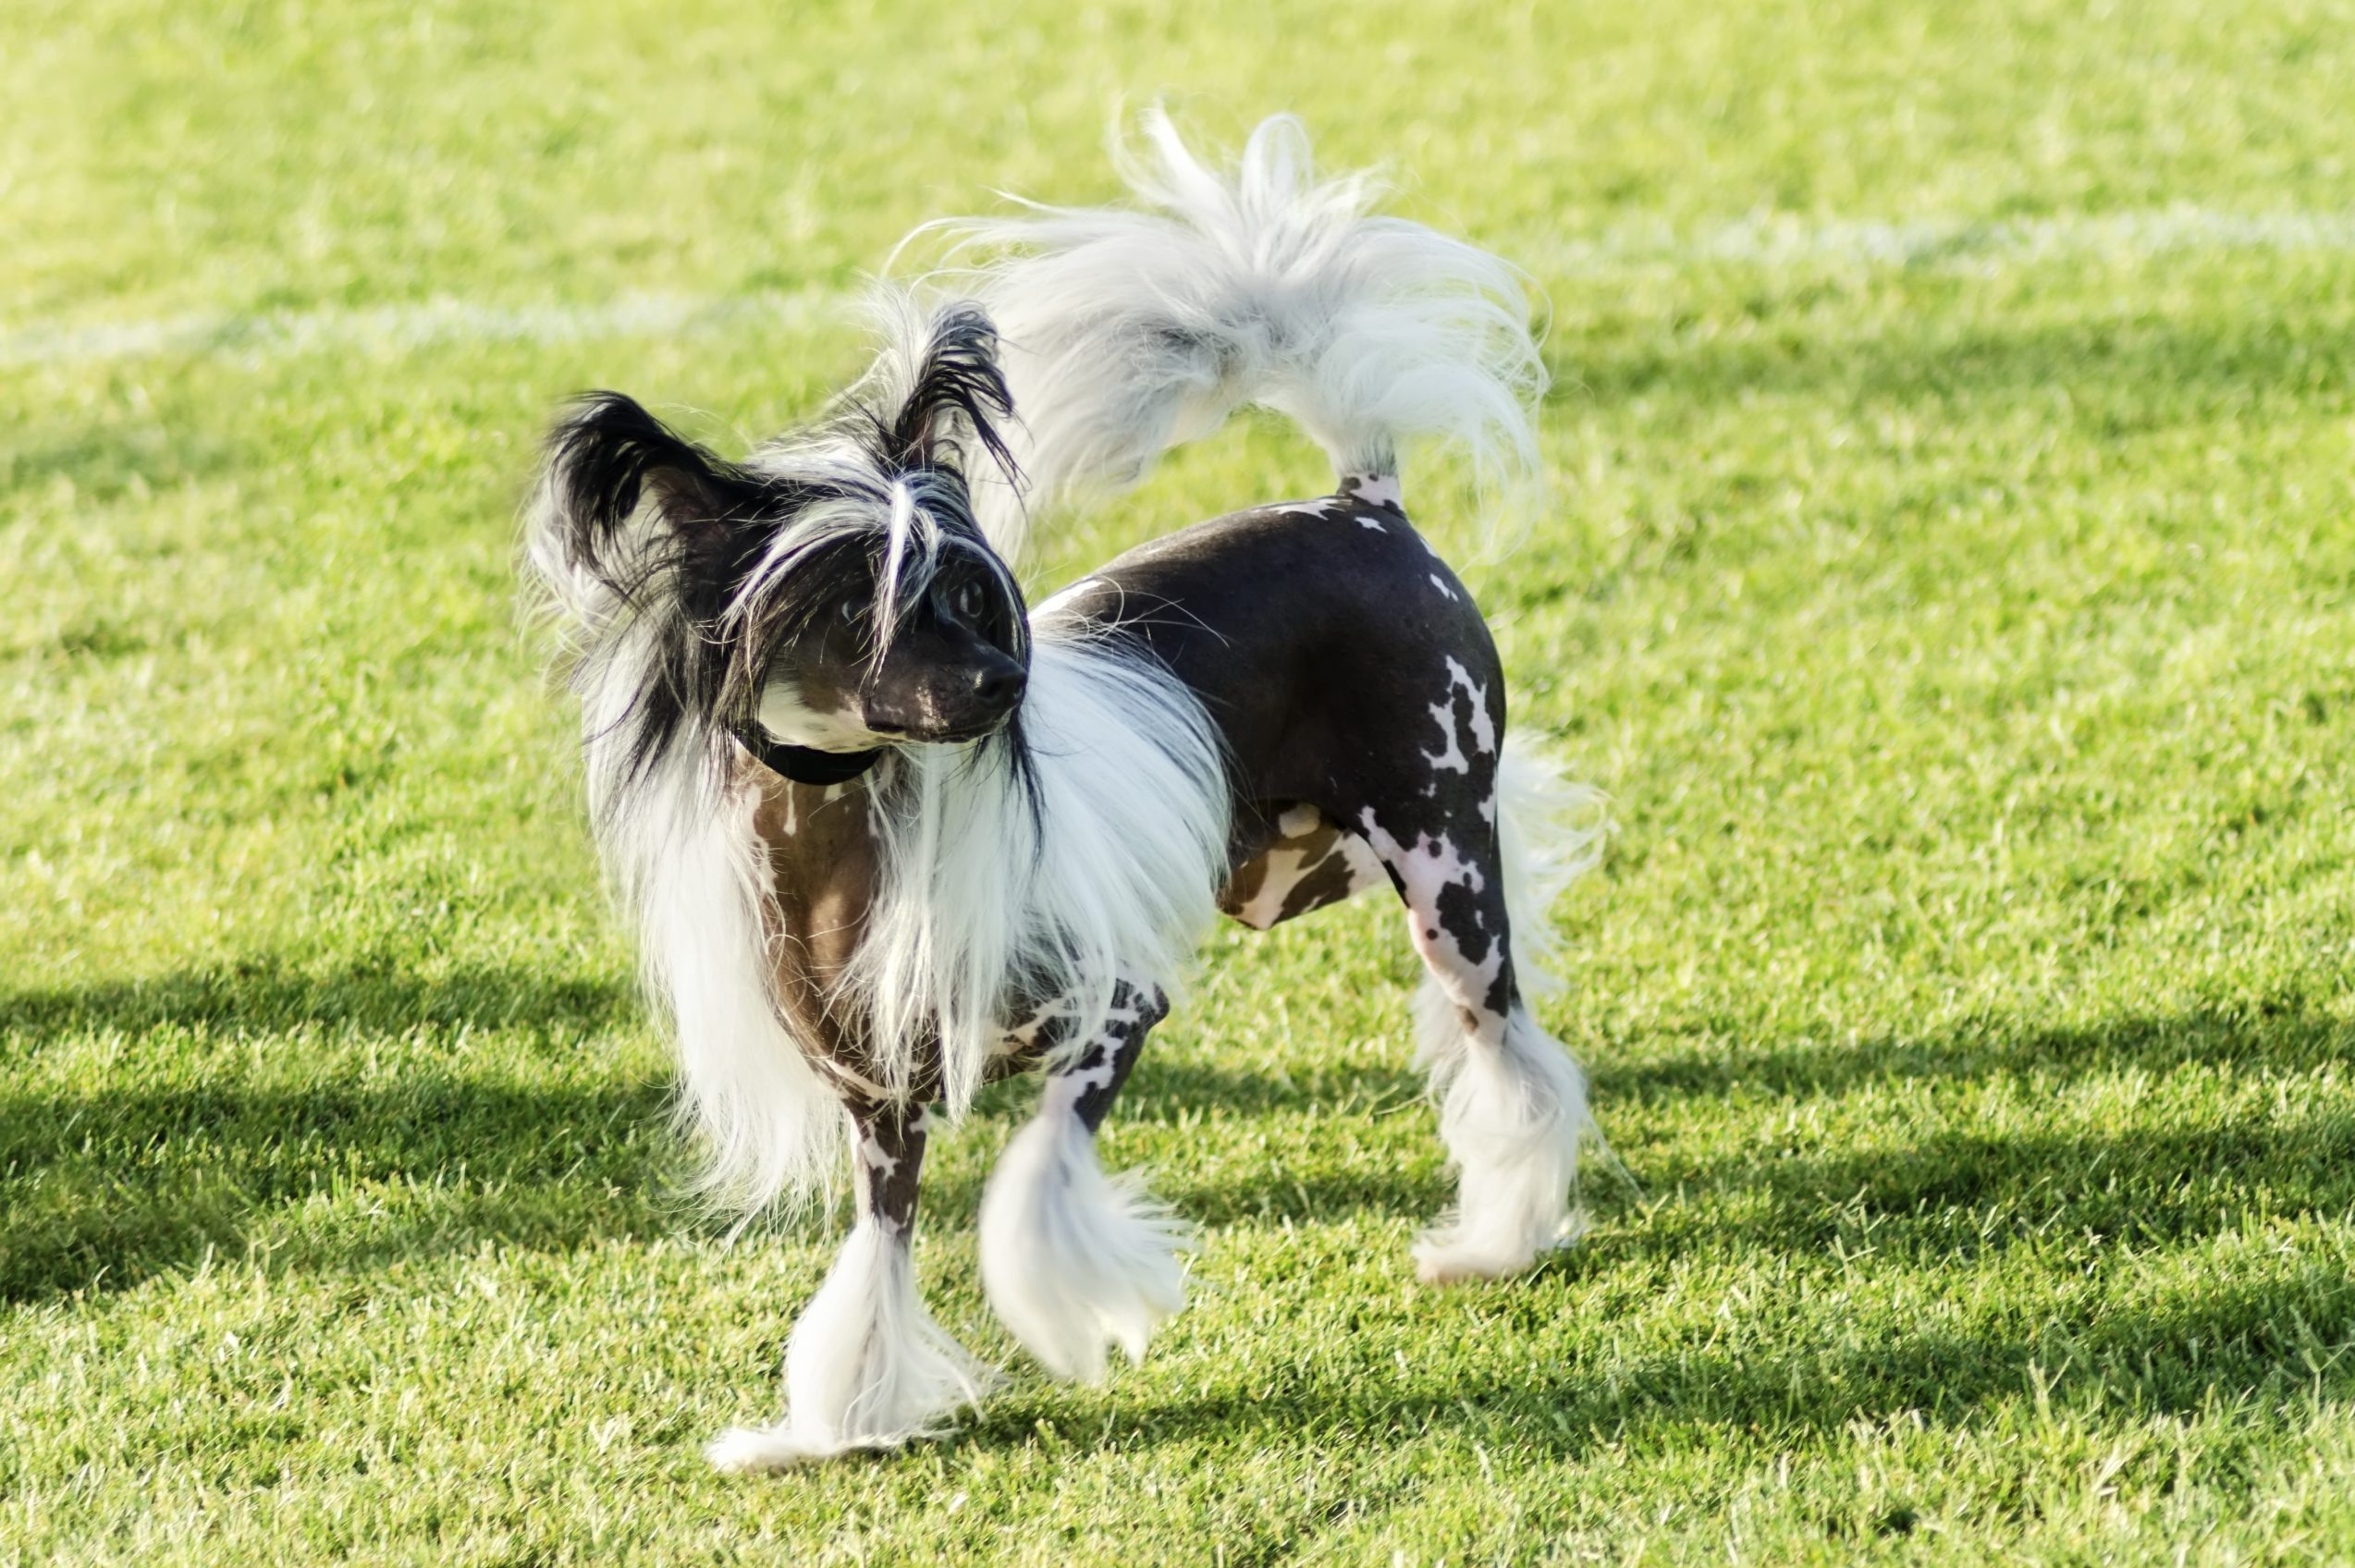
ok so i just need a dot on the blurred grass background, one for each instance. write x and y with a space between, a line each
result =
1948 575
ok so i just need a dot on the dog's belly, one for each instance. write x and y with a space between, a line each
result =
1311 864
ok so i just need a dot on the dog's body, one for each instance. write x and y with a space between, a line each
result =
889 836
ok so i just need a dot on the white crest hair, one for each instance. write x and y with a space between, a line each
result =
996 890
1125 332
902 511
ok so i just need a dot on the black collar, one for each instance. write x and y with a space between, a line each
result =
807 764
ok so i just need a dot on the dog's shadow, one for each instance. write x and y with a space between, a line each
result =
1799 1200
1962 1196
112 1185
2235 1344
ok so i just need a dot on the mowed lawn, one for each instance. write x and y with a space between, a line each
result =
1949 573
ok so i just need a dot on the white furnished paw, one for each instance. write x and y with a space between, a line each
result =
1438 1264
1442 1260
756 1451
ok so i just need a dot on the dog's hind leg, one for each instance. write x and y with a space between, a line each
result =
1071 1257
867 1366
1512 1103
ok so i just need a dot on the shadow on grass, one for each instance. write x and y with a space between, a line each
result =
2271 1032
109 1186
2246 1345
1807 1194
109 1189
1948 1193
368 998
2275 1334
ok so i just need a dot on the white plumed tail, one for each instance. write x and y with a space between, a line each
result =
1125 332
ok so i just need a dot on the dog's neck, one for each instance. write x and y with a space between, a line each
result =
807 764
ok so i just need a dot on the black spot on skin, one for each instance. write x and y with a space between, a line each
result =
1229 604
1243 886
1124 1041
889 1193
1460 711
1459 914
1324 877
1327 882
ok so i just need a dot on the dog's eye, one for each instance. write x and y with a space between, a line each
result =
967 601
852 608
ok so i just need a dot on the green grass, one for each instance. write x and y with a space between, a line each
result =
1964 635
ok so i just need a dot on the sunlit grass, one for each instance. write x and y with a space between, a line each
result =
1963 633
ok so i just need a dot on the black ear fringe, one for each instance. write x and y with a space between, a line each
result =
606 461
600 460
958 394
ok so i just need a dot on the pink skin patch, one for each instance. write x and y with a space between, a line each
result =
1483 727
1425 872
874 1157
1307 848
1452 759
1078 1070
1065 1089
1055 601
1483 737
1024 1036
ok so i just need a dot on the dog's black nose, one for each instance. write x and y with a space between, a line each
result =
1002 687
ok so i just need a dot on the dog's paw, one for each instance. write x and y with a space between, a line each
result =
760 1451
1446 1257
1439 1264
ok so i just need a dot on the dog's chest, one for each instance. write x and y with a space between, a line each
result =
821 858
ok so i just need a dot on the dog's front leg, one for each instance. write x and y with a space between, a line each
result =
867 1366
1070 1257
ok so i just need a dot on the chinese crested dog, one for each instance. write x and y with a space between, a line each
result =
887 833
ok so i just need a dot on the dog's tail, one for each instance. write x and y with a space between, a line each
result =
1127 331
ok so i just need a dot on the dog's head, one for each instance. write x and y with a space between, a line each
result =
831 591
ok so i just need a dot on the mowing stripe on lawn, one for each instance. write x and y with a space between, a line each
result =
1763 240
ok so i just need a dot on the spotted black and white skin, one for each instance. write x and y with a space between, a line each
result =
888 834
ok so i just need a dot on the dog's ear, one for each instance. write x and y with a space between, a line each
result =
621 495
956 393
